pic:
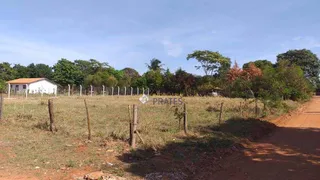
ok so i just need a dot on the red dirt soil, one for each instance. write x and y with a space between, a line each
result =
291 152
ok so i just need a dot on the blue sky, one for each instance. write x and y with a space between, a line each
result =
128 33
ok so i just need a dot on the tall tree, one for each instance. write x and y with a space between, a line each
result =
21 71
154 80
6 71
211 62
129 76
32 71
90 67
308 61
43 71
184 82
130 72
155 64
66 72
168 82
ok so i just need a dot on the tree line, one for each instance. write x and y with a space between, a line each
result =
295 75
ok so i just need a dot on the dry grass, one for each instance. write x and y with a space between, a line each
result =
30 143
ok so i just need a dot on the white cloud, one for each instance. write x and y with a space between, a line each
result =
172 49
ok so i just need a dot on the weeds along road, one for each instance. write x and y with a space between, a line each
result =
291 152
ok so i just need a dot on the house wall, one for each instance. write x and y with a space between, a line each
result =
42 86
18 88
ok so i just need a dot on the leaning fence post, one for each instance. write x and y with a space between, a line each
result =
1 105
80 90
134 126
185 119
88 119
220 114
51 115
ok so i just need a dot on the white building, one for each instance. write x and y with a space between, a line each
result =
32 86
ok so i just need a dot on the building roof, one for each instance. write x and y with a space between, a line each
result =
25 80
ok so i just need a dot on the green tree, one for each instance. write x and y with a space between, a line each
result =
66 72
184 82
32 71
294 85
91 66
21 71
43 71
168 82
7 72
154 80
261 64
129 77
211 62
3 86
308 61
155 65
141 82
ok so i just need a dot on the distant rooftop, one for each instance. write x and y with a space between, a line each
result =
25 80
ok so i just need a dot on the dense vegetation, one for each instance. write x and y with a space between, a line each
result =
294 76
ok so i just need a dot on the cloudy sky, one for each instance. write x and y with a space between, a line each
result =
128 33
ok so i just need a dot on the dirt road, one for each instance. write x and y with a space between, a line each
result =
292 152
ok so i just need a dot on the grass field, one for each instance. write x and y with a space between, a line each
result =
26 142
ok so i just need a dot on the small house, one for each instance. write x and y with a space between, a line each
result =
32 86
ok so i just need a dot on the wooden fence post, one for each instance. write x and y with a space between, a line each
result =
134 126
80 93
88 120
221 111
131 91
51 115
1 105
185 119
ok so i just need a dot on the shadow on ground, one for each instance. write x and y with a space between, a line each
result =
290 153
288 150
